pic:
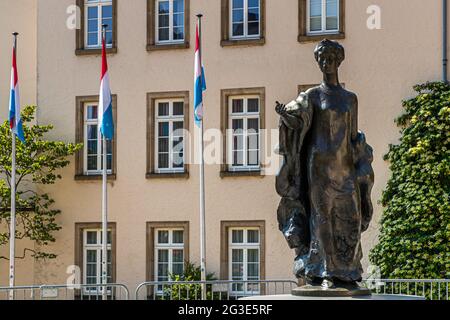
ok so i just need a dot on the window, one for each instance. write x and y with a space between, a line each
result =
167 124
169 135
89 161
98 12
319 19
88 255
244 262
92 257
167 24
244 143
243 22
323 16
169 254
170 21
167 251
245 19
242 121
93 143
244 256
95 13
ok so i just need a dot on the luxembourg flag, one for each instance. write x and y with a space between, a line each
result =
200 82
15 121
105 104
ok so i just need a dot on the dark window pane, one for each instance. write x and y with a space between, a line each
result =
163 237
253 3
92 112
163 7
177 127
163 34
253 28
178 20
253 125
92 162
178 33
92 132
92 25
177 256
237 124
92 39
163 161
238 142
253 14
163 21
91 237
178 108
238 4
178 6
253 105
178 236
163 109
238 16
109 162
107 11
238 29
92 147
163 129
163 145
92 13
109 38
238 105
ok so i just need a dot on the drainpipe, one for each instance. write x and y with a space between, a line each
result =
444 39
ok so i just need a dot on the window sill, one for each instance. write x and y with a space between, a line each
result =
319 37
174 175
249 173
243 42
168 46
96 177
88 52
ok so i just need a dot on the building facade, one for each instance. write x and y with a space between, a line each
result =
255 52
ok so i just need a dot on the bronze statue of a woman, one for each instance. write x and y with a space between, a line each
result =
325 181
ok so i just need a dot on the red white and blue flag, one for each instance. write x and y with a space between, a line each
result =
199 79
15 121
105 117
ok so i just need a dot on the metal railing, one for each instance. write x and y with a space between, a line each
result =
214 290
431 289
114 291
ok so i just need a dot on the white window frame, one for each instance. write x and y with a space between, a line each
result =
245 116
170 247
171 40
324 19
98 248
245 35
170 119
245 246
99 4
86 123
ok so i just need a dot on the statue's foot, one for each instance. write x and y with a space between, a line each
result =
327 284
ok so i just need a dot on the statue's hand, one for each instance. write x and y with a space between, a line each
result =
280 108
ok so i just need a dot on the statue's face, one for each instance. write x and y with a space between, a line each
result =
328 61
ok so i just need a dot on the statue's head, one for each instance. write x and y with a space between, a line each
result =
329 55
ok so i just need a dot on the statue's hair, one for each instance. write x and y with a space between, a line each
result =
334 46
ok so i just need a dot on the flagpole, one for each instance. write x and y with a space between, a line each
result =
202 182
104 205
12 226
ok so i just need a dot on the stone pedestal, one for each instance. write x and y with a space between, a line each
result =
333 292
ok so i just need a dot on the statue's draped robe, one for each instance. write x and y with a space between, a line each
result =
322 215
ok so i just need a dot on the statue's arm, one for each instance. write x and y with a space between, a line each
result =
296 114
